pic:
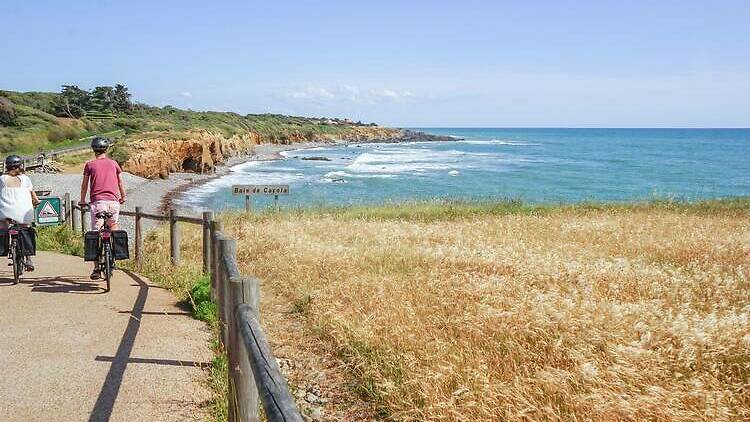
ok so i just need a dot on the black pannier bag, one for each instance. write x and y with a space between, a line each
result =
120 244
4 242
27 237
90 246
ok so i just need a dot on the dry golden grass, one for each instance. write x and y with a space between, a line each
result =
575 314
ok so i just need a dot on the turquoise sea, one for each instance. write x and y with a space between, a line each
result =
534 165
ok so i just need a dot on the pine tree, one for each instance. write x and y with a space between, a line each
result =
103 98
72 102
122 99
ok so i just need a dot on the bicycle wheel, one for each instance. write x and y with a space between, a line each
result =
107 263
17 261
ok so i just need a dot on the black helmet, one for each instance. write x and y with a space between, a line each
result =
99 144
13 162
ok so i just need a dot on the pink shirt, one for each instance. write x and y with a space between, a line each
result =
103 176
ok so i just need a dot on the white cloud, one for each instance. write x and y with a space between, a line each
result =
390 94
186 94
310 94
348 93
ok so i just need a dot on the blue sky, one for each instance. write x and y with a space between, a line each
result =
403 63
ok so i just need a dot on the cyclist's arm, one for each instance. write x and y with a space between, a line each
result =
121 185
84 188
34 198
27 182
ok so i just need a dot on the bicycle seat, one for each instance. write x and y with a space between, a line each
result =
104 214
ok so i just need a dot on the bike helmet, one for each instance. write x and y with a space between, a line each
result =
13 162
100 144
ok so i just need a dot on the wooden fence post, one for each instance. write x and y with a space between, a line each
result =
174 237
207 217
66 204
74 217
242 291
138 239
228 248
224 247
216 229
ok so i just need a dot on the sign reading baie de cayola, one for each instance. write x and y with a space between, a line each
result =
260 190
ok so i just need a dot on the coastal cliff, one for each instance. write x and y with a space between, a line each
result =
157 154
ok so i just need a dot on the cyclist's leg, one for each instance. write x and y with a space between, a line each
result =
94 208
96 224
27 262
113 207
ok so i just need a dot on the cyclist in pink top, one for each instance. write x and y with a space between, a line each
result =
107 192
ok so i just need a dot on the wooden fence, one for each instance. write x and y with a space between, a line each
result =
254 377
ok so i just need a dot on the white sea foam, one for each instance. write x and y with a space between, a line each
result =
497 142
344 174
302 151
272 169
400 162
396 160
247 164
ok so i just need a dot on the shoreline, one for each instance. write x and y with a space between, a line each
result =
261 152
272 152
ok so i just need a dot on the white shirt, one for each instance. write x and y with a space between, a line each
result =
15 198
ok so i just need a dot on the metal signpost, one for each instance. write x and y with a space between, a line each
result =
49 211
249 190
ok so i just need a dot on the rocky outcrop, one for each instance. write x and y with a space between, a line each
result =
158 154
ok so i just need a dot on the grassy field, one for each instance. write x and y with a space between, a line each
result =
510 312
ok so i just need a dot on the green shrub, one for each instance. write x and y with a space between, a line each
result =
61 133
200 297
130 124
206 312
118 153
59 239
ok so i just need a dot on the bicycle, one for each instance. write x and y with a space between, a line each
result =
15 250
105 258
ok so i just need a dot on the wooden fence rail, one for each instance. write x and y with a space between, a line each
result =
254 377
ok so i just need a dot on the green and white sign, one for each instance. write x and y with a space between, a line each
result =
49 211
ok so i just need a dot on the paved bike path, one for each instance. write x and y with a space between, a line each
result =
70 352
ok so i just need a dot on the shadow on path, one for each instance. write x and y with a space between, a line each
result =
72 284
108 395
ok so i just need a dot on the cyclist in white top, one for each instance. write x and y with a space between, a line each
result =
17 197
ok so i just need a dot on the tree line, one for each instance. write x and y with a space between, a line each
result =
75 102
